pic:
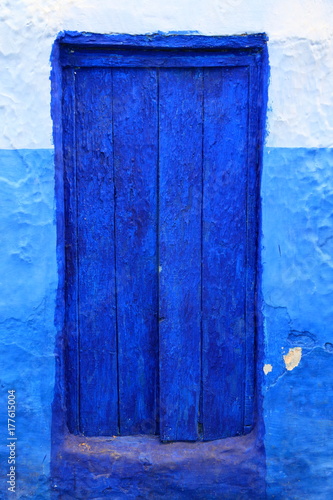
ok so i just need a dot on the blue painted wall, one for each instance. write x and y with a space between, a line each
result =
297 200
297 205
27 304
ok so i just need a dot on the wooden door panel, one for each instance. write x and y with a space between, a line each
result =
224 272
96 312
180 202
135 135
161 200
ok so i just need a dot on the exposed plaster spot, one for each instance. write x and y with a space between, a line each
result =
160 269
267 368
293 358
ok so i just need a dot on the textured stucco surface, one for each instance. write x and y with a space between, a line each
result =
299 430
297 208
142 467
27 302
297 219
296 191
300 101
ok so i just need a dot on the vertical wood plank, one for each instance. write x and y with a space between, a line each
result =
253 194
96 260
224 272
180 251
71 291
135 162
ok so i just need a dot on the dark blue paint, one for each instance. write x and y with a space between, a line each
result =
190 127
225 240
135 159
150 59
255 42
95 279
246 480
258 82
68 252
180 193
140 467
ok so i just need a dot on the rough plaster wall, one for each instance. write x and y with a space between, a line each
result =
27 300
297 204
297 216
300 102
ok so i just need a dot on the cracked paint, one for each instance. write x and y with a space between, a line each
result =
299 430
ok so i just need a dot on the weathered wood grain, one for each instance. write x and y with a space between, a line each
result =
71 279
180 148
164 40
161 161
167 58
96 254
135 162
224 250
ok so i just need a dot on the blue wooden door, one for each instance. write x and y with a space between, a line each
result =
161 155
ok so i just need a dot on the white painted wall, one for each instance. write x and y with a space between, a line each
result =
300 49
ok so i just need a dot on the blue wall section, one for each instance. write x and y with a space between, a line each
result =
297 200
299 431
297 193
27 304
297 207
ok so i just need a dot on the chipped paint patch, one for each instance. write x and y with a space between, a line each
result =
267 368
293 358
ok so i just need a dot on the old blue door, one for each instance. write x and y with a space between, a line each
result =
161 142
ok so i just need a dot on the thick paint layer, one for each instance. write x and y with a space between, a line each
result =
298 453
225 241
181 96
297 197
300 115
299 439
27 333
95 273
135 133
297 218
301 101
132 467
161 163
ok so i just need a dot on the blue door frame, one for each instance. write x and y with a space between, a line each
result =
189 372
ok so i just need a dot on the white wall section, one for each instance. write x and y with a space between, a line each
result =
301 42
